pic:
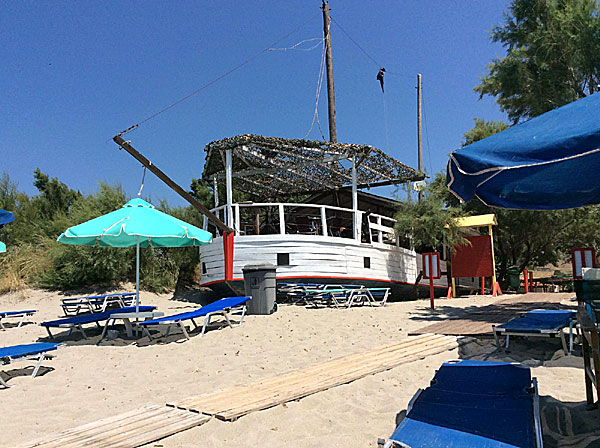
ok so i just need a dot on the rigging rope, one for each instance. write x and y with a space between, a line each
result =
294 47
318 95
365 52
210 83
142 185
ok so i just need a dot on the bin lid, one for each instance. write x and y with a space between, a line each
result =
259 267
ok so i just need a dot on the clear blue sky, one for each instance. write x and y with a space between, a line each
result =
74 74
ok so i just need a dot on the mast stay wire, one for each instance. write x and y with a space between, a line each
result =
318 94
218 78
295 46
365 52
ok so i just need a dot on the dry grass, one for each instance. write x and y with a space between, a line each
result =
19 267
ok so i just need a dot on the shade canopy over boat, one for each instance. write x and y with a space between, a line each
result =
549 162
271 166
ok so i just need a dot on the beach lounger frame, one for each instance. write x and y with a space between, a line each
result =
500 331
77 322
15 314
39 357
178 320
74 306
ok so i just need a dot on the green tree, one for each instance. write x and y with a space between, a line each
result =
552 56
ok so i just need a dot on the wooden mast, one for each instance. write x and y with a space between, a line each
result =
329 64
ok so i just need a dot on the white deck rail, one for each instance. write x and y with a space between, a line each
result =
380 227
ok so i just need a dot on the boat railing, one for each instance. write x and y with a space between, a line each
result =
268 218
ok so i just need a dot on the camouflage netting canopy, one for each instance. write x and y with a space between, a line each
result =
269 167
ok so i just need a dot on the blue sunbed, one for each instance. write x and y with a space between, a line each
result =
549 323
21 314
473 404
75 323
221 307
37 351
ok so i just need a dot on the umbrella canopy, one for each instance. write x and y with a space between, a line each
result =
6 217
137 224
549 162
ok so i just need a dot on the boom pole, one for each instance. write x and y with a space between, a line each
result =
166 179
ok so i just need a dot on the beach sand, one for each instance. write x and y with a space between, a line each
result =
87 382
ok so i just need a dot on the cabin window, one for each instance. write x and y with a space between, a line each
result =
367 262
204 271
283 259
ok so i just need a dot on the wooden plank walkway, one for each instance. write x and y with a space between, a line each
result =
127 430
478 321
150 423
234 403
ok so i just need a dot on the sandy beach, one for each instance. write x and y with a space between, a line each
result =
87 382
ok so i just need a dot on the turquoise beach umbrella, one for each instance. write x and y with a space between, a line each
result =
136 224
2 247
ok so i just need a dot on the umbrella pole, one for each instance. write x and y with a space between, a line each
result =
137 276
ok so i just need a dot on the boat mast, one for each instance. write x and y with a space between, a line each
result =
419 131
329 64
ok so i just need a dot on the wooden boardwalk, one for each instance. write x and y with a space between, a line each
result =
234 403
127 430
478 321
150 423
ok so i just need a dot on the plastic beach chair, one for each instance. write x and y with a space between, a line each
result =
15 314
473 404
549 323
73 306
221 307
77 322
38 351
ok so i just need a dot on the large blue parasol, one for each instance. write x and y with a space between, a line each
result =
549 162
5 218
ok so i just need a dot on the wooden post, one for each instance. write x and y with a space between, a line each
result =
257 223
493 257
482 286
329 64
453 287
526 280
419 130
431 292
167 180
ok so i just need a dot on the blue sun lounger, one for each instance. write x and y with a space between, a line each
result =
77 322
16 314
219 308
549 323
473 404
37 351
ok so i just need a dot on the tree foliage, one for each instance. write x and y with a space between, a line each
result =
552 56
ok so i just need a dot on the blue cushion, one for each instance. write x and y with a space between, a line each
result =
219 305
17 351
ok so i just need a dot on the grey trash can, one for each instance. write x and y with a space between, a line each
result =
260 284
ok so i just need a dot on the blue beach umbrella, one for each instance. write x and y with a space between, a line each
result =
5 218
547 163
136 224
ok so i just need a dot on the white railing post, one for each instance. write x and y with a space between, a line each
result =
237 219
229 185
281 220
324 221
204 223
379 232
